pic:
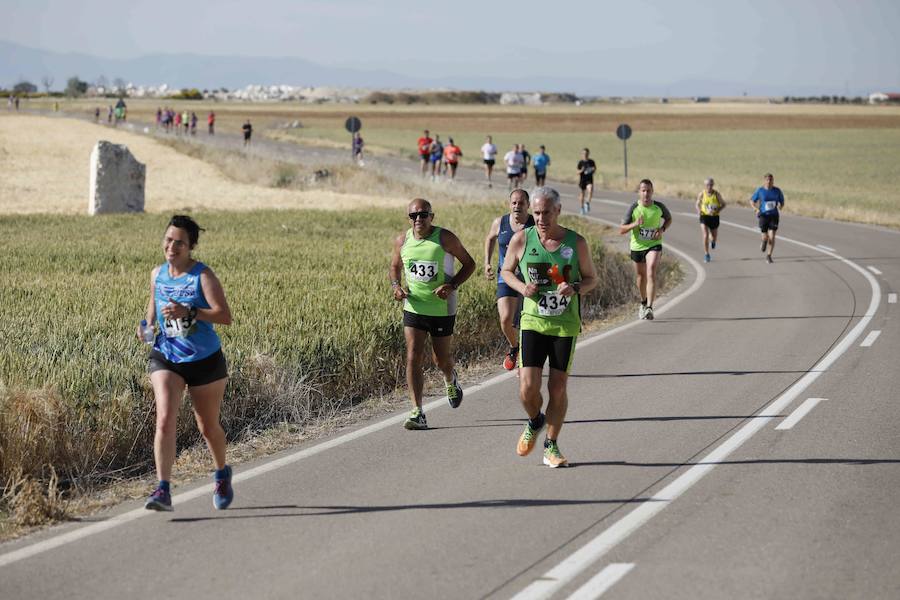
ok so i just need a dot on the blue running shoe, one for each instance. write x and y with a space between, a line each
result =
160 499
224 493
706 258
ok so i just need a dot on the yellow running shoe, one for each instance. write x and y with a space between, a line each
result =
416 420
527 440
552 456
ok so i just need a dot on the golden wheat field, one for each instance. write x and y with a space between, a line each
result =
44 163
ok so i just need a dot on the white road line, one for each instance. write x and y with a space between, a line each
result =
824 247
602 581
83 532
870 339
874 270
570 567
892 298
614 202
800 412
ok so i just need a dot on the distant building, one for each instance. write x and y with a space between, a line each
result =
701 99
883 97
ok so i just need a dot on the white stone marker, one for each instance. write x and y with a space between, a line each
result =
117 180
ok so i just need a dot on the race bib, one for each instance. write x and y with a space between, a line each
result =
712 209
177 328
648 234
423 271
552 304
770 205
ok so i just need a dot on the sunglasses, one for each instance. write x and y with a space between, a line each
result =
424 214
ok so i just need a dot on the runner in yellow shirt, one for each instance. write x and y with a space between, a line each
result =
709 205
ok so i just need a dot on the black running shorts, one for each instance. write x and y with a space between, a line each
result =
535 348
435 326
199 372
640 256
767 222
711 221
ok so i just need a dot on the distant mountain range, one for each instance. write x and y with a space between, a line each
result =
214 72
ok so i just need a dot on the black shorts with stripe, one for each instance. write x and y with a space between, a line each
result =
535 348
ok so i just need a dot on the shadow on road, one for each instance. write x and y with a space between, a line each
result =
345 509
769 318
759 461
519 422
680 373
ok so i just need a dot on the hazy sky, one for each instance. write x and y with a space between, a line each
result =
851 45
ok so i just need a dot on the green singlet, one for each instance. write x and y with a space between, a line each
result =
641 237
426 267
549 312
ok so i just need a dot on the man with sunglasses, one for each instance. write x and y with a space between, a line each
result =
427 257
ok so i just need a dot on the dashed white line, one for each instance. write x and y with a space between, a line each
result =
800 412
824 247
892 298
874 270
870 339
602 581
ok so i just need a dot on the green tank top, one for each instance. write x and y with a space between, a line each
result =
426 267
641 236
549 312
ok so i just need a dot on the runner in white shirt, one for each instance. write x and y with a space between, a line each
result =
489 154
514 163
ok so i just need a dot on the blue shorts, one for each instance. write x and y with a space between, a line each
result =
504 291
435 158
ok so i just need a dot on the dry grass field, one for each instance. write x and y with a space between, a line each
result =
832 161
45 169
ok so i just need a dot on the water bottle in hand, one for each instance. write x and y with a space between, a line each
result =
147 335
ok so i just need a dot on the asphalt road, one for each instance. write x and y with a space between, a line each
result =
692 475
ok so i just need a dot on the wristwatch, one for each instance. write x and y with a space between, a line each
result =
577 286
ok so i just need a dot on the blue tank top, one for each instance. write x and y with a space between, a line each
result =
183 340
503 238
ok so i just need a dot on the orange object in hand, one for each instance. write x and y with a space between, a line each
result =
554 274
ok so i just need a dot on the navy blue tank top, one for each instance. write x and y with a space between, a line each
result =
503 238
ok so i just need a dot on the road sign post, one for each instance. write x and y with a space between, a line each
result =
623 132
352 124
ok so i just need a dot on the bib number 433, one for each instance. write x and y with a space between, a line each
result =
422 270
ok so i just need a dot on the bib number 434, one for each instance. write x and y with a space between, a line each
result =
552 304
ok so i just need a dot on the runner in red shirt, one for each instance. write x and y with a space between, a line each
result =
452 152
424 147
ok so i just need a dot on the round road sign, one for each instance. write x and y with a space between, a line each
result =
623 131
353 124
